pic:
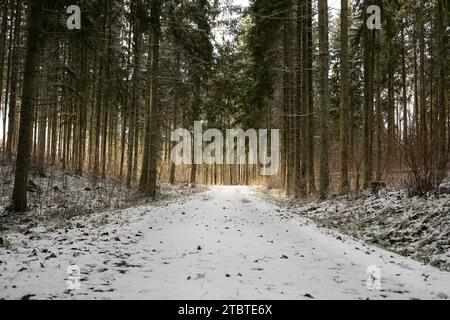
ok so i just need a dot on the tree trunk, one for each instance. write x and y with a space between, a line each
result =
442 16
324 99
132 113
3 46
14 79
287 144
153 101
98 114
404 89
34 39
391 102
368 101
344 110
175 115
310 117
83 106
302 97
195 117
42 124
8 82
378 113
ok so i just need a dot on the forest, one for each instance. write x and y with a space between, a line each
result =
354 105
91 91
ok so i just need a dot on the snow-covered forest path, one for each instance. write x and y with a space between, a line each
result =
226 243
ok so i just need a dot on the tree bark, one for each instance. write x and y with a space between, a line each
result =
324 99
368 101
3 46
14 79
34 39
153 108
344 109
310 117
442 16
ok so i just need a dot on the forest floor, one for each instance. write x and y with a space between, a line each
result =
417 227
62 195
225 243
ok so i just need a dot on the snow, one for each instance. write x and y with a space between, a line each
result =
411 226
226 243
62 195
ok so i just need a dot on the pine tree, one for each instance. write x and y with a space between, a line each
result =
324 99
344 109
35 39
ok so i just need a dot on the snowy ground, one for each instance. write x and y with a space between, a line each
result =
227 243
62 195
418 227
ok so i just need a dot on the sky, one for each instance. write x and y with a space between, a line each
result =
241 2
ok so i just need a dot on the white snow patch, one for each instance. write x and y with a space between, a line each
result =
227 243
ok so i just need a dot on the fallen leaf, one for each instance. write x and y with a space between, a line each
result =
51 256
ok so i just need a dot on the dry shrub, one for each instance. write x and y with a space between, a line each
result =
426 161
